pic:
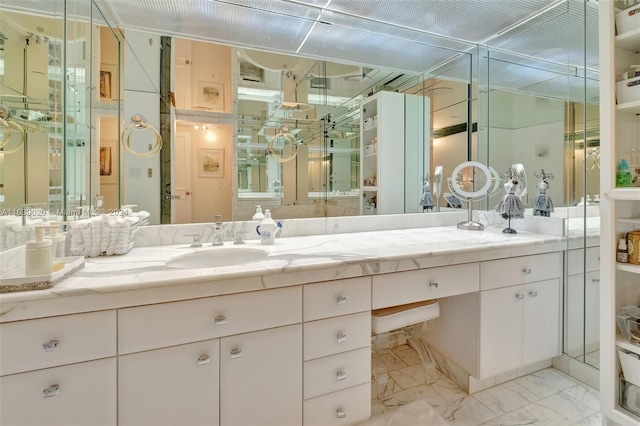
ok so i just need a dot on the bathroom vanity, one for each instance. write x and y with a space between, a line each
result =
285 339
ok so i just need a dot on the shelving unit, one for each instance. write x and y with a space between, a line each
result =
398 122
620 207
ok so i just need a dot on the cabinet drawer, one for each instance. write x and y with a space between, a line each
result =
78 394
519 270
335 335
346 407
413 286
575 260
167 324
49 342
336 372
330 299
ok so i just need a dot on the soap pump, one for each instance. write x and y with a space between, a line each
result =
38 254
57 248
258 215
268 228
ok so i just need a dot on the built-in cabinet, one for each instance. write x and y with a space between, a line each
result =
393 133
620 207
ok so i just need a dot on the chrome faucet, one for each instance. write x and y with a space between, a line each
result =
217 231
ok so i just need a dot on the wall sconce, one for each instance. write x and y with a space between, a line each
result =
203 127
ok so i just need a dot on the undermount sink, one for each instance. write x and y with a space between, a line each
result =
216 257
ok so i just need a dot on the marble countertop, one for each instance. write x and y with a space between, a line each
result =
142 276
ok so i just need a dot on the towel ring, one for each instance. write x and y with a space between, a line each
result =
11 125
289 139
138 122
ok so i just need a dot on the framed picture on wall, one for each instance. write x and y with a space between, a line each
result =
211 163
107 156
108 81
210 96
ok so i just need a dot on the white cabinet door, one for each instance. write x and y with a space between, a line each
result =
541 321
77 394
574 315
592 321
261 378
500 330
172 386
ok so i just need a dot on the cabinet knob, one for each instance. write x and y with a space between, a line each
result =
433 285
341 338
533 293
596 280
341 300
220 319
340 413
52 390
341 375
50 346
235 353
527 271
204 359
519 296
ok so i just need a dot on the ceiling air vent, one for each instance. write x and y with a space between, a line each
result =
319 83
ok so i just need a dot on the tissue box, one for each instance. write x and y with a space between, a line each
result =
628 90
628 19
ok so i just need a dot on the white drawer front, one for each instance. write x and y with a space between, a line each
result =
335 335
78 394
330 299
49 342
400 288
346 407
167 324
337 372
519 270
575 260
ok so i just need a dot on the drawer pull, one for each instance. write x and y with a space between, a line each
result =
220 319
433 285
533 293
204 359
341 338
235 353
341 300
519 296
596 280
340 413
52 390
527 271
51 346
341 376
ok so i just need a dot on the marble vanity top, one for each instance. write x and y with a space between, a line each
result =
142 276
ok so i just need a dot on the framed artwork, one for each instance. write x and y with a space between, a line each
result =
211 163
108 81
210 96
107 162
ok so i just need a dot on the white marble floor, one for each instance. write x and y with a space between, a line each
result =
412 397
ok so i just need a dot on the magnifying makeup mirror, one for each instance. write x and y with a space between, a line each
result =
471 181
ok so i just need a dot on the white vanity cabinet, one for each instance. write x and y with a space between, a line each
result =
59 370
231 360
582 294
337 352
519 312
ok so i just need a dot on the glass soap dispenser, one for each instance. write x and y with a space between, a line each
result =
57 248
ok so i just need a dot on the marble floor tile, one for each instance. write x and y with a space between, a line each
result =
416 413
390 361
559 409
415 375
449 390
595 420
466 411
546 382
516 388
515 418
425 393
408 355
585 395
501 399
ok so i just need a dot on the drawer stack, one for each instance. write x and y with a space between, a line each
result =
59 370
337 352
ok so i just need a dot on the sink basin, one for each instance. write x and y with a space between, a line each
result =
217 256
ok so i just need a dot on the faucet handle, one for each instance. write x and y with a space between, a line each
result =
196 240
218 219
